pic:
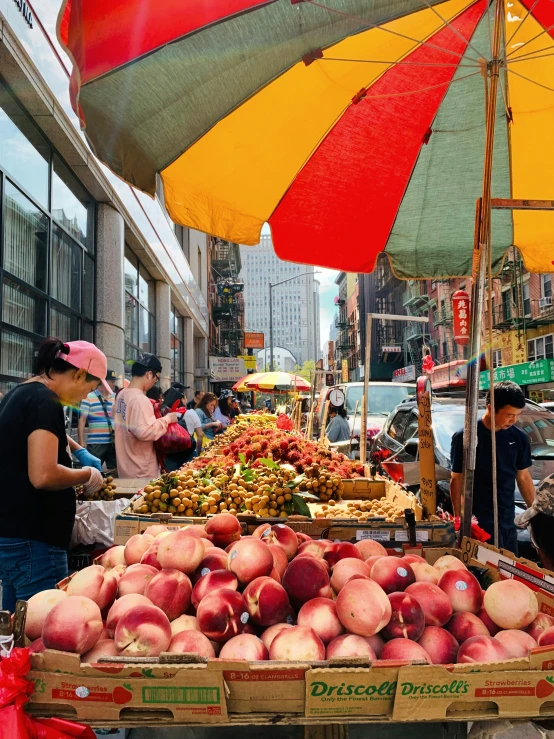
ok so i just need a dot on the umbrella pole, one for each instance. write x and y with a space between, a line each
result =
364 409
479 270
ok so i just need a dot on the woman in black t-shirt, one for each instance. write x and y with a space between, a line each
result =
37 499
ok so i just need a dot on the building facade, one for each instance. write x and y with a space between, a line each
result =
82 254
226 302
295 304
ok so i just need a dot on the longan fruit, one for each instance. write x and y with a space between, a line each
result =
280 500
189 512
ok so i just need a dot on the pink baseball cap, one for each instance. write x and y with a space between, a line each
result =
84 355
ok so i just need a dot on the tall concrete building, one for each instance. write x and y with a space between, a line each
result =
295 304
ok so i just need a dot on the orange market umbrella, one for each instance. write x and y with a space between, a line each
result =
240 386
275 381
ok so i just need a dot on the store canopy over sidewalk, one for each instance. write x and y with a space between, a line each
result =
352 126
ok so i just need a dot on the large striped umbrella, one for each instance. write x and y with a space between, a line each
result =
277 381
354 127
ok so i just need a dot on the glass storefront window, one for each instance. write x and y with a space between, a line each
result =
176 326
21 308
67 270
71 205
25 239
16 355
64 325
139 308
24 153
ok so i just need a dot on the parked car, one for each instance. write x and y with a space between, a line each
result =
399 437
382 398
549 405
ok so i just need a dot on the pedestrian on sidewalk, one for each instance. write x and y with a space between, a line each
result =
96 411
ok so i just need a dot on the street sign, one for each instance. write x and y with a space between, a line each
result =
427 477
336 397
527 373
461 317
345 370
253 340
249 361
329 379
404 374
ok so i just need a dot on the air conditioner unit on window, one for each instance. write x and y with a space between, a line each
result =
545 302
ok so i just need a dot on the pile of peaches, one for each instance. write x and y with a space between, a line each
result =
279 595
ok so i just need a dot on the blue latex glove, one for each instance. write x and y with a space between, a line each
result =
87 459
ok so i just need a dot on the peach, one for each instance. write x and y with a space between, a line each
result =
280 561
114 556
482 649
150 557
412 559
244 646
299 643
207 544
425 573
376 642
345 569
72 625
542 622
184 623
95 583
267 602
434 601
283 536
121 606
439 644
320 614
448 562
214 560
135 579
136 547
340 550
404 649
368 548
306 578
463 589
211 582
102 648
511 604
319 559
37 646
180 551
315 548
143 631
302 537
517 642
370 561
269 634
196 530
170 590
260 530
493 629
349 645
464 626
105 633
38 607
392 574
223 529
249 559
546 637
192 642
222 614
363 607
407 619
156 529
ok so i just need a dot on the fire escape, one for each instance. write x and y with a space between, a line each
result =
226 300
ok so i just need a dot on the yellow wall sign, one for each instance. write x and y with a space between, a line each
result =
427 477
345 370
249 361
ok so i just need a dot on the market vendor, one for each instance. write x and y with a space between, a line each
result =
136 425
37 502
513 460
337 428
539 519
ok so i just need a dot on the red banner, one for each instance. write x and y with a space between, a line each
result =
461 317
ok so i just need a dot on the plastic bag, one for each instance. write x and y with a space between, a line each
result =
15 690
176 438
284 422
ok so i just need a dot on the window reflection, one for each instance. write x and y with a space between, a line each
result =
67 269
71 205
23 151
25 239
139 307
22 309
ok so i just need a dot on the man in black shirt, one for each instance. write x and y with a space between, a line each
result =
195 402
513 460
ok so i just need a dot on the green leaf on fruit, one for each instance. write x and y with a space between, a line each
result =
248 475
306 494
296 482
269 463
289 507
301 506
242 458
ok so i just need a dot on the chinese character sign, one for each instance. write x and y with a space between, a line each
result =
461 317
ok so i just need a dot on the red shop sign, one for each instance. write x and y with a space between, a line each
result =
461 316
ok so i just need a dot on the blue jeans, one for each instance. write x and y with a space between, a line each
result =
27 567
